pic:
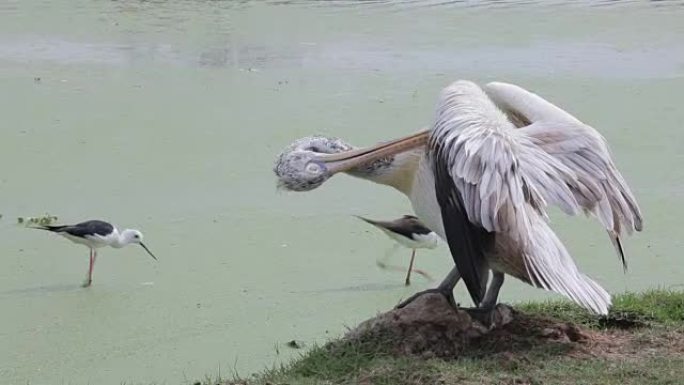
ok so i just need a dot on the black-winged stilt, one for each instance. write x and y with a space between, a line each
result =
95 234
410 232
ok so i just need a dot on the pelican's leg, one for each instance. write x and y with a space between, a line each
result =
492 294
446 288
89 280
408 274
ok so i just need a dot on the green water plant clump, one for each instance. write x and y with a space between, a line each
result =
43 220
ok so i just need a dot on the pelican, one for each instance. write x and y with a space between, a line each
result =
482 177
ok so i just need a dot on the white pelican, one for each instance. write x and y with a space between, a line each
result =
482 178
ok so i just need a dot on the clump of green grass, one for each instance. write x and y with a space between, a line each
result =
662 306
335 361
562 370
348 365
654 306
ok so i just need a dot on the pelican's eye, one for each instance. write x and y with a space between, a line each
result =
313 168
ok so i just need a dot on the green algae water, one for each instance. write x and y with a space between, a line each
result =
167 117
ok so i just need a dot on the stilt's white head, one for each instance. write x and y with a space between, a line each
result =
131 236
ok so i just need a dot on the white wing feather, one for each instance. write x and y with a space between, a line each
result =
507 176
598 187
498 170
552 268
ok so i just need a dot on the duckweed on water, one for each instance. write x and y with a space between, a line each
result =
43 220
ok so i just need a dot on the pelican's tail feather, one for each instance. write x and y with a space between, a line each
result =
550 266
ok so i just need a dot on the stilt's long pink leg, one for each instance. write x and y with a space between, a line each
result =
408 274
92 265
90 269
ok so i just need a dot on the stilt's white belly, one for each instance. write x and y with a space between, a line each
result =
93 242
418 241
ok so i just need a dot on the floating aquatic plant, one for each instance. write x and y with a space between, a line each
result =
43 220
294 344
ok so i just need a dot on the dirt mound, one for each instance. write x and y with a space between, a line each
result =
429 326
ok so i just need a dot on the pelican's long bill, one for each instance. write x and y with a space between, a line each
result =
148 251
344 161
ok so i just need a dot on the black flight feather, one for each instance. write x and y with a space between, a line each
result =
467 241
83 229
407 226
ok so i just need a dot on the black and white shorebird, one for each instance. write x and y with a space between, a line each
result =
95 234
410 232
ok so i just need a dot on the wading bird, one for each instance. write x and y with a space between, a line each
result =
482 178
410 232
95 234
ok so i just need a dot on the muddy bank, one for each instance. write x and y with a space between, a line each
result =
429 342
431 327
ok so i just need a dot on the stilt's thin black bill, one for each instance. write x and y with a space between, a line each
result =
148 251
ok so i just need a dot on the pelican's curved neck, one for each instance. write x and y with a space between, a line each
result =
398 171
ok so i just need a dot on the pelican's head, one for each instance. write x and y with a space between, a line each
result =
131 236
309 162
298 167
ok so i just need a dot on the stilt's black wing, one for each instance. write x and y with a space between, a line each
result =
83 229
410 225
407 226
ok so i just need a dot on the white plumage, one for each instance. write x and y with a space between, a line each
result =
96 234
483 176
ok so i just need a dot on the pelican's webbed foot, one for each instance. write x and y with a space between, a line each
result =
446 292
446 288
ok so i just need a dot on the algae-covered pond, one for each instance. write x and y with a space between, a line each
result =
167 116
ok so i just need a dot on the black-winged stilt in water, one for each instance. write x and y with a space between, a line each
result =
95 234
410 232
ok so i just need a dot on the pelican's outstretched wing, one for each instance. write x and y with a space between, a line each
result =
491 178
598 186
